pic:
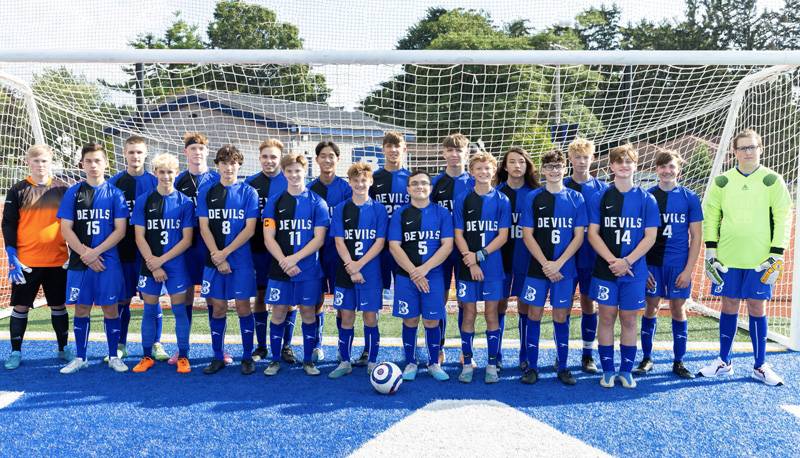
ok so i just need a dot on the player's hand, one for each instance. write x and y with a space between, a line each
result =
550 268
714 268
89 256
418 273
651 282
159 275
287 262
619 267
353 267
154 262
97 265
293 271
772 268
218 257
470 259
16 269
358 278
684 279
476 272
422 285
224 268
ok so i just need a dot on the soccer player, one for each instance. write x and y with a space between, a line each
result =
669 263
623 221
189 182
295 226
481 219
333 190
746 229
163 222
227 213
36 251
133 182
420 239
449 184
581 155
553 222
515 178
94 218
359 229
269 181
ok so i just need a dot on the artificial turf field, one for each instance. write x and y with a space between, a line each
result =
161 413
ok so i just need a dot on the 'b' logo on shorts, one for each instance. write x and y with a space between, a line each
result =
530 293
402 307
462 289
338 298
74 293
205 288
602 293
142 281
718 289
274 294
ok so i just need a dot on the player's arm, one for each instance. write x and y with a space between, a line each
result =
602 250
572 248
439 257
269 240
712 218
780 208
10 225
241 238
208 237
400 256
141 242
116 236
695 242
312 247
644 245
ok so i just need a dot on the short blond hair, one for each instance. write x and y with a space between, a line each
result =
271 143
617 153
580 146
294 158
455 140
359 168
165 161
194 137
39 150
482 156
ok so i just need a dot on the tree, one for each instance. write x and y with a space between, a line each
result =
698 169
598 28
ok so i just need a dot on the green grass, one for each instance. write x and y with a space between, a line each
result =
701 329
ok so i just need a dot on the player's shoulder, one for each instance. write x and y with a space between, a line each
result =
573 195
19 186
768 176
116 177
250 179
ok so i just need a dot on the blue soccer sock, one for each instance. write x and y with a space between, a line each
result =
261 328
346 343
288 329
410 344
727 332
627 354
501 319
247 327
466 346
606 353
81 327
149 318
218 336
309 340
492 345
320 329
680 336
433 339
112 335
159 323
443 328
276 334
181 329
588 332
124 314
372 342
758 337
561 334
523 341
532 342
648 333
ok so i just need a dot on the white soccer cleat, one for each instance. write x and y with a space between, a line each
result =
74 366
767 375
118 365
716 368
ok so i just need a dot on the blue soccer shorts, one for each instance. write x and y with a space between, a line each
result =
130 278
513 283
624 295
743 284
87 287
240 284
475 291
409 302
535 291
365 300
291 293
665 278
177 281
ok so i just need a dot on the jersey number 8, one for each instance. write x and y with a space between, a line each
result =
226 227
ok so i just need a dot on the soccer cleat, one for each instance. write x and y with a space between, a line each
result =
626 379
272 368
442 357
766 374
159 354
66 354
461 361
183 366
74 366
681 371
248 367
588 366
344 368
14 360
490 375
145 364
523 366
173 360
644 367
259 354
529 377
122 352
310 369
362 360
371 367
607 380
438 373
214 366
499 365
410 372
466 374
716 368
317 355
566 377
227 359
118 365
288 355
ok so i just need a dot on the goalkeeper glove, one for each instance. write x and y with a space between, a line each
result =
16 269
772 268
714 268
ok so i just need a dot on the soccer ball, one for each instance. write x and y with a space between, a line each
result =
386 378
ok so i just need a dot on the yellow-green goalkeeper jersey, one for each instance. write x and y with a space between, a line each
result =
747 217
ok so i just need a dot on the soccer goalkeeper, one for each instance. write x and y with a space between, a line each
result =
746 228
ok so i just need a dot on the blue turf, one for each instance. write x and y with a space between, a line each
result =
99 412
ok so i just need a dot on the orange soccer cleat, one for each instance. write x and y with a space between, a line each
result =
183 366
144 365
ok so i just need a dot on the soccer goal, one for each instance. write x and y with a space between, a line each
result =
692 102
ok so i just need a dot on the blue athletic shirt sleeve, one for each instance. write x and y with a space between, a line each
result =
137 219
251 203
652 216
269 208
321 215
526 220
505 211
66 210
337 228
594 207
120 207
187 213
394 232
581 218
458 212
202 205
447 223
383 221
695 208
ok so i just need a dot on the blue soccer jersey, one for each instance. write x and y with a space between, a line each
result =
228 208
553 218
678 209
131 187
190 185
163 218
585 257
623 217
92 211
515 253
360 226
445 188
420 232
481 217
390 189
265 187
294 219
